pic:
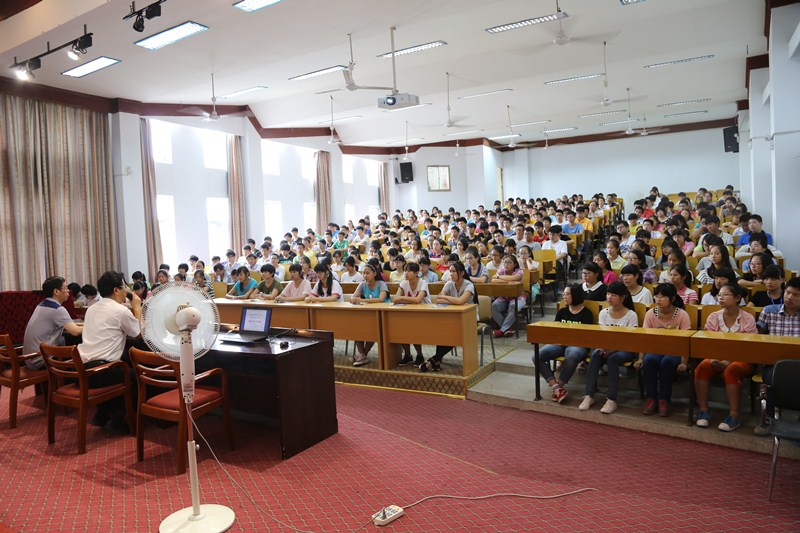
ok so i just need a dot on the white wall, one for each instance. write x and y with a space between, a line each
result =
630 167
416 194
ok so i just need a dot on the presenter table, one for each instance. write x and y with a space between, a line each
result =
293 385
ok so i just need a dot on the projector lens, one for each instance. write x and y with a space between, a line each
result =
390 100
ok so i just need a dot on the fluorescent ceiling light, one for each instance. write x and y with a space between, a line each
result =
603 113
508 136
172 35
316 73
412 49
629 2
576 78
341 119
498 91
92 66
626 121
254 5
462 133
242 92
409 107
527 22
686 102
529 123
406 141
679 61
559 130
686 114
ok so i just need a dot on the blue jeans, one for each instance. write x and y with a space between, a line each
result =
613 361
659 373
503 312
573 356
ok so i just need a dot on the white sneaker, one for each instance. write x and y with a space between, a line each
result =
586 403
609 407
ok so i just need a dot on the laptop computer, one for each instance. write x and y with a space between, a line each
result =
254 326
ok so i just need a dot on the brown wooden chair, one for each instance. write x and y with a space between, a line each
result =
15 375
69 387
154 371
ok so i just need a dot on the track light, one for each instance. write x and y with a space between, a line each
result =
79 47
24 69
138 24
150 12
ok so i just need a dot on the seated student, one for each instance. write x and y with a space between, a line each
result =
391 253
539 234
327 288
413 250
49 321
555 243
452 258
758 245
526 259
615 259
679 278
308 272
496 258
755 227
477 271
593 282
373 290
783 320
244 287
287 255
140 277
642 246
412 290
573 312
269 288
754 273
359 263
140 290
74 290
503 308
631 277
251 262
722 277
398 265
659 371
719 258
458 291
729 319
638 258
337 266
220 275
350 274
674 258
199 279
618 313
681 237
297 288
88 297
280 270
425 271
601 260
773 280
437 249
179 277
183 270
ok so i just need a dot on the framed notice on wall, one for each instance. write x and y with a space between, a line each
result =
438 178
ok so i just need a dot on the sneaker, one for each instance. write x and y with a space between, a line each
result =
609 407
406 360
419 360
508 333
497 333
559 394
586 403
729 424
663 408
649 407
703 419
763 429
360 360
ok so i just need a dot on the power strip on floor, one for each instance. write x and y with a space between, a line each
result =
387 514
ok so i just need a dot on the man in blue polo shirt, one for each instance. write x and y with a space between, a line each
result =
49 321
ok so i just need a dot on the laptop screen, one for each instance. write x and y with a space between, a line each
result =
255 320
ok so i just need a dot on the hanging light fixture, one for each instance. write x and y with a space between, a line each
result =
546 142
405 157
457 146
513 143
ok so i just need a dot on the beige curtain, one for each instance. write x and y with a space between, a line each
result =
57 203
322 191
383 188
151 229
236 192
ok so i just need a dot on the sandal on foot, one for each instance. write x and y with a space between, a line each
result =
430 365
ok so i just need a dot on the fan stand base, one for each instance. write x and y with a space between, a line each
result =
213 519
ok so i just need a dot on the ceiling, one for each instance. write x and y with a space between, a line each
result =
293 37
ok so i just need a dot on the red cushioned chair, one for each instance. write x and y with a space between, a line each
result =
64 365
16 376
153 371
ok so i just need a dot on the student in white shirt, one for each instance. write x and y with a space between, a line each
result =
555 243
412 290
350 274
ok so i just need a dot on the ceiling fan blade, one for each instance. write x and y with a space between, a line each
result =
368 88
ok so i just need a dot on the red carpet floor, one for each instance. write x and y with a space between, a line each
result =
396 447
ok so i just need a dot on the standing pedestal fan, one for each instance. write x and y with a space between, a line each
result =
181 323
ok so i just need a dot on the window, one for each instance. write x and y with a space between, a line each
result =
374 211
218 225
350 212
215 149
438 177
273 218
373 172
271 157
310 215
347 168
161 141
165 206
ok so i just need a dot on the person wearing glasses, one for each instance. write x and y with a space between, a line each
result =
106 326
49 321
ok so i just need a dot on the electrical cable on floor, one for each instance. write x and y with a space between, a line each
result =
365 524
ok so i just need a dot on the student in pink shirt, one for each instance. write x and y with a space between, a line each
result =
660 371
678 276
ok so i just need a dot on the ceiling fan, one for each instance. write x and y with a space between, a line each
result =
333 139
349 82
605 101
213 116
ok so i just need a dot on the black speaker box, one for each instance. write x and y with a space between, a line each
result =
406 172
731 138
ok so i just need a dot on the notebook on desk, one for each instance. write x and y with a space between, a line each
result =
254 326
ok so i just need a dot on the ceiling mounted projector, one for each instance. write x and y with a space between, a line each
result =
398 101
